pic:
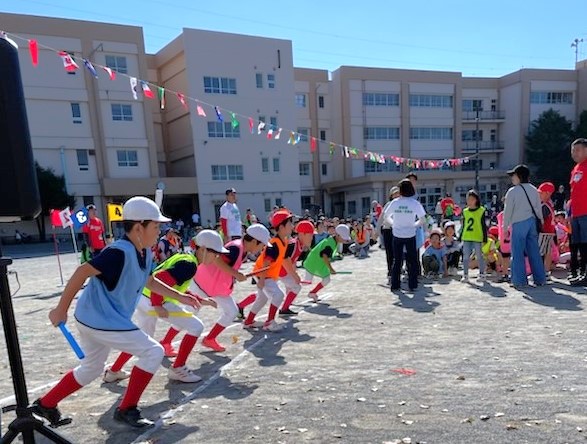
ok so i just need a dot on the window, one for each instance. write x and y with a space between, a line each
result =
366 204
304 169
82 160
270 81
322 135
380 133
219 85
267 205
470 105
76 113
352 206
376 167
227 172
380 99
273 122
265 164
470 166
117 63
303 133
301 100
306 202
276 165
429 197
259 79
127 158
542 97
223 130
468 135
324 167
431 101
420 133
278 201
320 101
121 112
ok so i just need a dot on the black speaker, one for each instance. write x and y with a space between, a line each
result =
18 179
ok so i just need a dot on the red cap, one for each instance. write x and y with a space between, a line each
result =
494 231
279 217
305 226
546 187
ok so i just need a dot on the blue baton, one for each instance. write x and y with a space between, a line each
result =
72 342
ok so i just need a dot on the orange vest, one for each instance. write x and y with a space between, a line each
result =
360 239
274 266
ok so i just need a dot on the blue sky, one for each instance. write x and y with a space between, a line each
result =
477 38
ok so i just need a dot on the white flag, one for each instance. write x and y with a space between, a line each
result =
133 87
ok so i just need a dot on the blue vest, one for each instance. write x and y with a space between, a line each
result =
102 309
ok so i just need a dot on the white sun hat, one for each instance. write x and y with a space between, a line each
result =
140 208
210 239
259 232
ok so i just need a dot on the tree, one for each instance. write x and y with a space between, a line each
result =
53 195
548 148
581 130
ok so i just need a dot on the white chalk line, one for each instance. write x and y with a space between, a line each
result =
190 396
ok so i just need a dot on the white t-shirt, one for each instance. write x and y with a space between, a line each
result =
404 213
196 218
231 213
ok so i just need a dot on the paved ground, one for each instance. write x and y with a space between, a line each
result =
452 363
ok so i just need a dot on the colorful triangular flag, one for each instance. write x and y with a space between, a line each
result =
90 67
161 94
219 114
278 134
292 138
260 127
111 73
331 148
313 144
200 111
235 123
68 62
146 90
133 87
181 99
270 133
251 125
34 52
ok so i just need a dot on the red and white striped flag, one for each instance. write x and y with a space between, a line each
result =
111 74
146 90
68 62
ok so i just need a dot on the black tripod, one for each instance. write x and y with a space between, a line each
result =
25 422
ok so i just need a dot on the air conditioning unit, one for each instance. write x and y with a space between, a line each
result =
92 152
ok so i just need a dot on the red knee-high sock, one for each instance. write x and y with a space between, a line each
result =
122 359
288 300
216 330
170 336
317 288
272 313
250 318
138 382
247 301
187 344
63 389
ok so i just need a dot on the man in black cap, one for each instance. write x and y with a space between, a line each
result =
230 217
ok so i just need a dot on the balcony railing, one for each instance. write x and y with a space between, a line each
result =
484 145
484 115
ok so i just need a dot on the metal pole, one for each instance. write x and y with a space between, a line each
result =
477 160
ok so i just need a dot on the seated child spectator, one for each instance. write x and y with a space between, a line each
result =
452 248
434 260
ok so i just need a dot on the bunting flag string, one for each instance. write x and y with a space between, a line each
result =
294 138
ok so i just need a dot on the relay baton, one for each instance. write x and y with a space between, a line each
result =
259 271
172 314
72 342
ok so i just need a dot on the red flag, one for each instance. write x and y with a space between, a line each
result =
251 125
68 62
111 74
313 144
34 51
181 98
201 111
55 219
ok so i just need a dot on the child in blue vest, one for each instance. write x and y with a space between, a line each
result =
104 310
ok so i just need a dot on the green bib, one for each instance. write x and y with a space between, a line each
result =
167 265
472 225
314 263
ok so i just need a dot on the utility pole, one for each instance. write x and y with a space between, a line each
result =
575 45
477 160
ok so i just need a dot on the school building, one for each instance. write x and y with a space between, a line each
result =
110 146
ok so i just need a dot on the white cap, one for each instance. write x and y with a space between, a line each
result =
343 231
259 232
210 239
140 208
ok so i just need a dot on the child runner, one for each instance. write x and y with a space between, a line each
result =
274 258
505 249
103 313
405 215
318 261
473 233
303 241
177 272
218 279
453 248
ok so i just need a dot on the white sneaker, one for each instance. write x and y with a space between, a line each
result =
465 279
273 327
183 374
256 324
110 376
313 296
